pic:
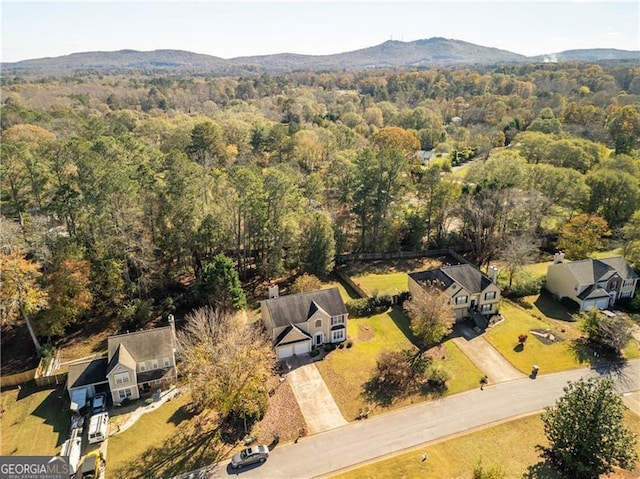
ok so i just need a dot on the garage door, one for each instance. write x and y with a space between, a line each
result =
285 351
302 348
602 303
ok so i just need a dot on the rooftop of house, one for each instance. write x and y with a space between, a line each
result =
465 275
297 308
590 271
121 356
144 345
86 373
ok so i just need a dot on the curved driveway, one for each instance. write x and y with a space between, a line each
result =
379 436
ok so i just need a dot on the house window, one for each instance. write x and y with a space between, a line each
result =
142 367
124 393
318 323
122 378
485 308
166 362
154 364
490 295
461 300
337 320
337 335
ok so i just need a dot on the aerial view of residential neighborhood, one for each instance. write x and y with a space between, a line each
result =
294 240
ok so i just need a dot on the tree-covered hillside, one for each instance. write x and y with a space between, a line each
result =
132 185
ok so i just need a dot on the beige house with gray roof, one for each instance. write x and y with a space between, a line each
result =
592 283
298 322
473 294
141 362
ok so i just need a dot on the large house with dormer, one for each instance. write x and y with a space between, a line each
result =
298 322
592 283
473 294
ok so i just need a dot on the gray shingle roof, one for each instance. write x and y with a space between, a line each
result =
590 271
465 275
297 308
144 345
121 356
87 373
593 292
292 334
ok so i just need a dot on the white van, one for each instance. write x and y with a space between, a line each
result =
98 427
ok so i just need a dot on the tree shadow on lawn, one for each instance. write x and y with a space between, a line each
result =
552 308
55 412
183 452
601 361
540 470
183 413
403 323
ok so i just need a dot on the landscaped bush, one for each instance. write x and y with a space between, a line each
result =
437 378
314 352
631 305
349 344
359 308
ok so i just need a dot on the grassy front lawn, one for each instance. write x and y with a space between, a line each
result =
510 445
346 370
165 442
34 422
173 439
554 357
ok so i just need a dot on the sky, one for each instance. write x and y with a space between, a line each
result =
241 28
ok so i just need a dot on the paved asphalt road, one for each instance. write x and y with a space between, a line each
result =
344 447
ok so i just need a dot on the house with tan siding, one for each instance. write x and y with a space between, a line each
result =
592 283
296 323
473 294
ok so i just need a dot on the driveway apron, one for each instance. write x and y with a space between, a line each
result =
488 359
316 403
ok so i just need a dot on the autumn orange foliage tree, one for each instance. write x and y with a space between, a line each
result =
68 288
20 293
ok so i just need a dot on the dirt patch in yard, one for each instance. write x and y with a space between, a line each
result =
546 336
365 333
437 352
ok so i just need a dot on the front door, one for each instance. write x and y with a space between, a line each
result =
319 339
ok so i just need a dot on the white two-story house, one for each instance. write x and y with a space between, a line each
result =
298 322
592 283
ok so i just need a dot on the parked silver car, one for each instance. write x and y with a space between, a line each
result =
250 455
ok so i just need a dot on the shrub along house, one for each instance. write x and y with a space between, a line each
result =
591 283
473 294
298 322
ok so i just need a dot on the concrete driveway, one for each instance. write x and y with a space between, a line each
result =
316 402
486 358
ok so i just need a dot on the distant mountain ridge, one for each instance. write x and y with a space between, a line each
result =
435 51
